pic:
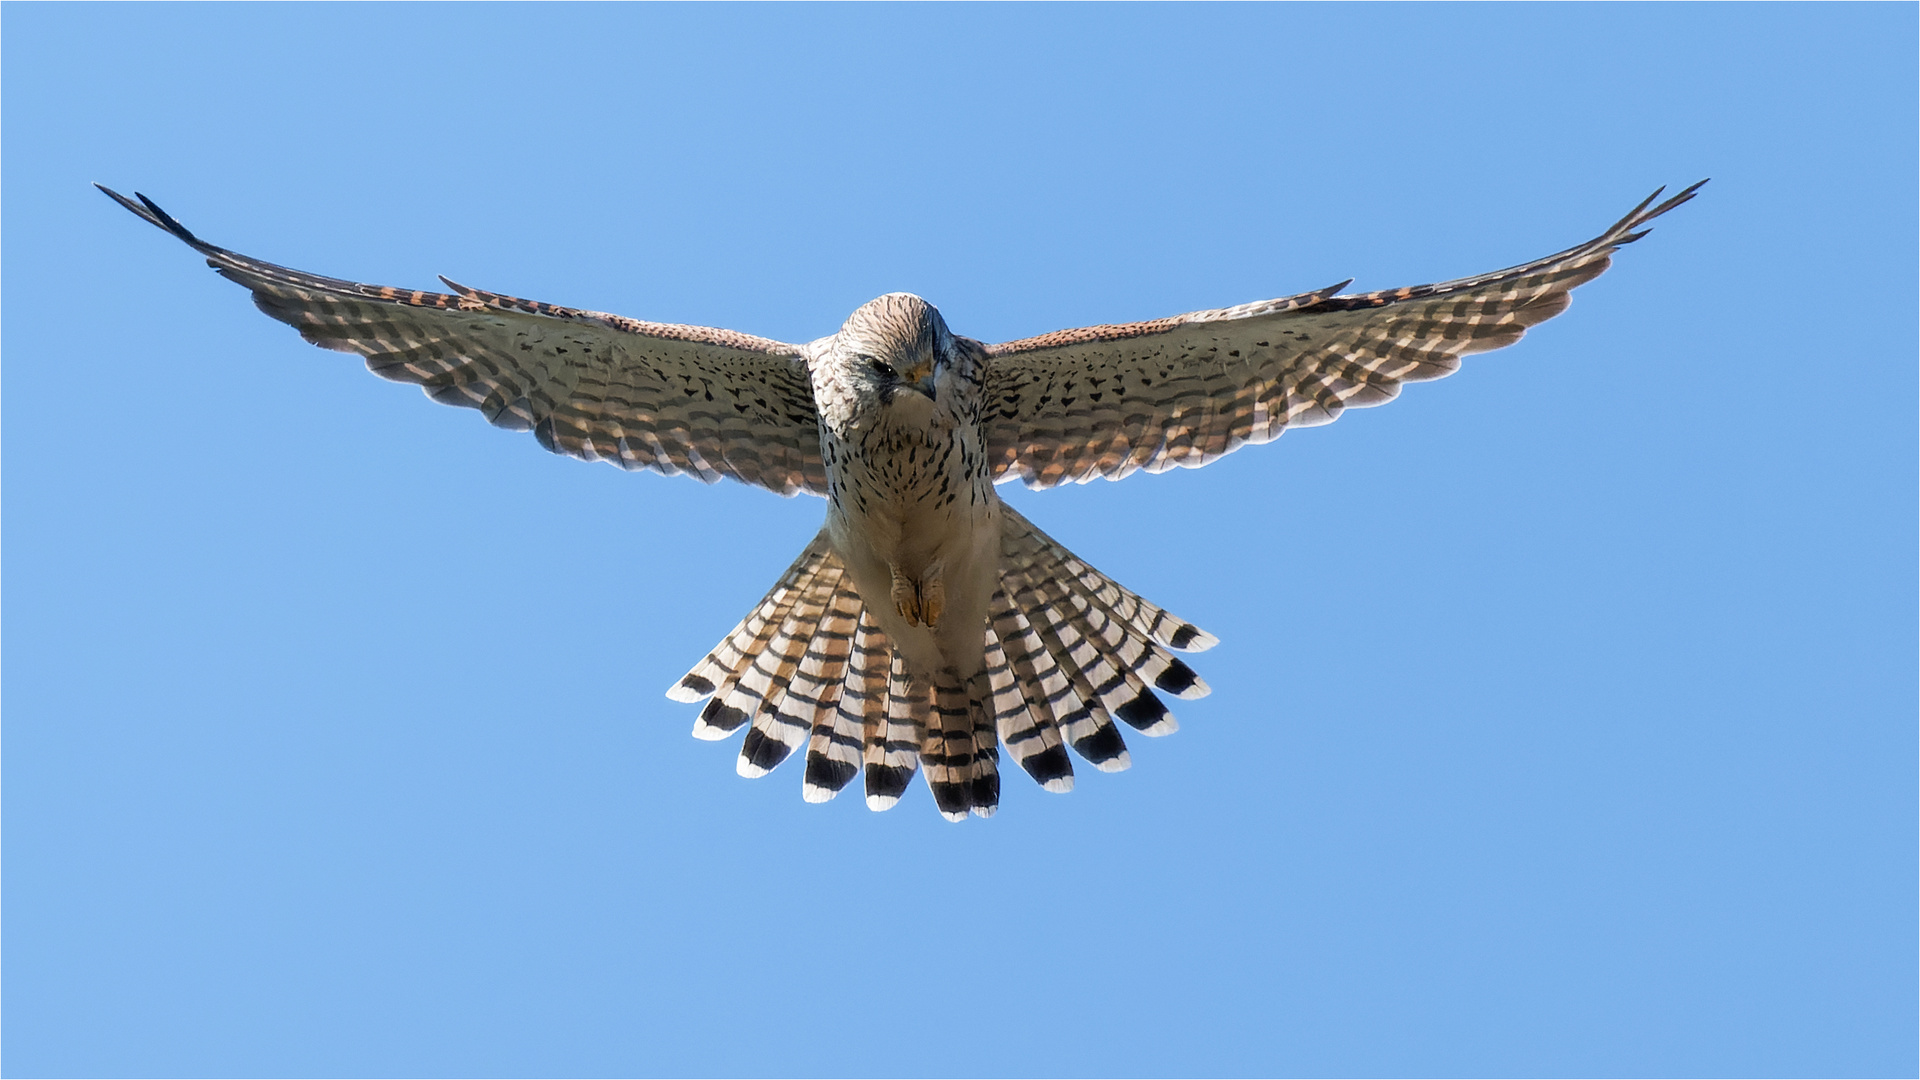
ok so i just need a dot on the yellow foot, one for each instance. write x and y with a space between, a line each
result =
920 603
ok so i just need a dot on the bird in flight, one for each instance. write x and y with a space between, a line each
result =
928 623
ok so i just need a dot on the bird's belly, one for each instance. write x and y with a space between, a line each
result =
917 504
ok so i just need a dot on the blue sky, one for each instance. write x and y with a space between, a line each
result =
1563 719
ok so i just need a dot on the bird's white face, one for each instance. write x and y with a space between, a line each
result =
894 356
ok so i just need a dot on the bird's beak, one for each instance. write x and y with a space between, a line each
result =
920 377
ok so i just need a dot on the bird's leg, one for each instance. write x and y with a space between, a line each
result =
919 602
906 598
933 598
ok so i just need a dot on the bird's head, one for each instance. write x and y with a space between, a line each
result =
894 352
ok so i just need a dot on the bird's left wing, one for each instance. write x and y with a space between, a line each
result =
1104 401
674 399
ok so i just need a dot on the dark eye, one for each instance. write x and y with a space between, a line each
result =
882 368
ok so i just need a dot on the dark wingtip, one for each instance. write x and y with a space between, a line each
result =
167 220
1629 229
1685 195
149 211
131 206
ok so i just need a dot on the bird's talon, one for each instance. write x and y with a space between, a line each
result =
933 600
906 598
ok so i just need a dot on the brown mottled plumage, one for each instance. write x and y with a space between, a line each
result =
928 624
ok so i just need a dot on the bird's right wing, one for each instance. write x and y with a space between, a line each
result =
674 399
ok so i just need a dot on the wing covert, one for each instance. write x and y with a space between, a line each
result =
1105 401
673 399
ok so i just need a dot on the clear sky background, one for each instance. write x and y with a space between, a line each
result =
1564 715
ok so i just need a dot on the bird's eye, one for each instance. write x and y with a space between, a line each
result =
882 368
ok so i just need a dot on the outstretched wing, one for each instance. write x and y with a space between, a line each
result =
674 399
1103 401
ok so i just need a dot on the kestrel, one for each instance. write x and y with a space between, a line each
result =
928 623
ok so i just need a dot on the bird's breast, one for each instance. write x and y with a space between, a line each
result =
911 486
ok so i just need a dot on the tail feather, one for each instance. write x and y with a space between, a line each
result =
833 745
860 717
1102 738
737 650
1099 676
983 778
728 709
764 687
1131 648
1067 652
1028 732
1049 687
893 737
1024 544
946 750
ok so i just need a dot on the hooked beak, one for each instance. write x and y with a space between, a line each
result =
920 377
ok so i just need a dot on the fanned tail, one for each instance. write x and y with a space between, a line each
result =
1068 652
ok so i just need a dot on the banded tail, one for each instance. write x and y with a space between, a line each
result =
1068 652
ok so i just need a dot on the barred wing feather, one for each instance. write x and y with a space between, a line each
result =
1105 401
673 399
